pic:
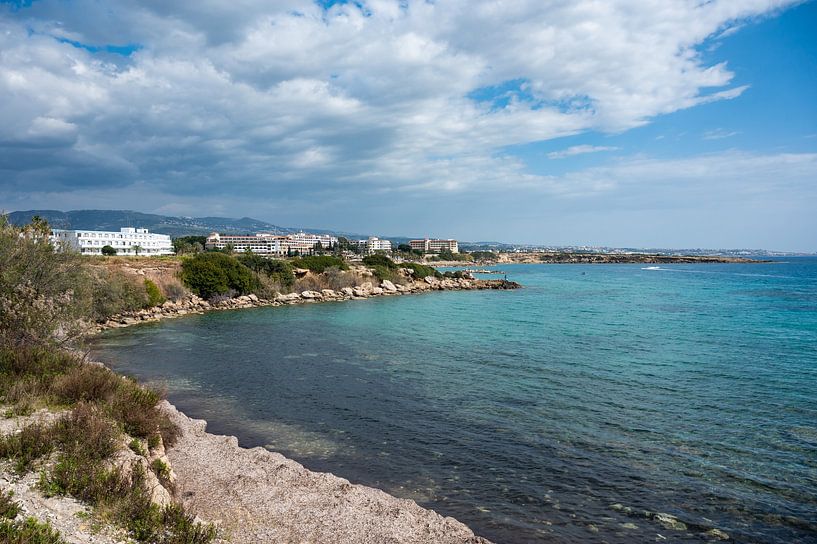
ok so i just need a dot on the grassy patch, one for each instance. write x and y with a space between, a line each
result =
28 531
9 508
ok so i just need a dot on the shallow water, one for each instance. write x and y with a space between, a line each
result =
688 389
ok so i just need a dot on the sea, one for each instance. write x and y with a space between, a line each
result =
599 403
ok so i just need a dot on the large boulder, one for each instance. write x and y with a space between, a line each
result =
348 291
388 286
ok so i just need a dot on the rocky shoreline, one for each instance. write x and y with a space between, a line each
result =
193 304
255 495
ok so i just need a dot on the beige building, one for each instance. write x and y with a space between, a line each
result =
434 245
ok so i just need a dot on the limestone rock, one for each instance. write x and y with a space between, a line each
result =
388 286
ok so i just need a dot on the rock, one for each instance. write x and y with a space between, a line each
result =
360 292
348 291
329 293
717 533
388 286
308 295
670 522
431 280
366 287
287 298
377 291
253 297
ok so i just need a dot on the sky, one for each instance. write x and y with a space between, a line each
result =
627 123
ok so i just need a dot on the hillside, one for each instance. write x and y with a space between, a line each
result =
164 224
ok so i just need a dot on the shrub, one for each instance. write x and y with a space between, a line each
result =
28 531
108 251
336 279
420 271
25 447
379 260
9 508
484 255
385 273
85 382
174 290
43 292
155 297
209 274
276 270
116 292
319 263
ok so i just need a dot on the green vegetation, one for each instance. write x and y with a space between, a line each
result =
319 263
43 292
114 292
276 270
108 251
189 244
420 271
9 508
447 255
155 296
484 256
44 295
28 531
211 274
104 405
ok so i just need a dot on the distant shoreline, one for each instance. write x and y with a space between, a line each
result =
599 258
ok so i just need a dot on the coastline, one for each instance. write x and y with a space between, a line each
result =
256 495
193 304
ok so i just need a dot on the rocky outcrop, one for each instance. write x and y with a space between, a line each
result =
255 495
196 305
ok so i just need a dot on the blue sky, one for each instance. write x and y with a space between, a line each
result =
625 123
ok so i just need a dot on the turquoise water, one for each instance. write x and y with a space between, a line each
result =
689 390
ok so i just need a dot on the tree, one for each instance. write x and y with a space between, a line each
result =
44 293
108 251
189 244
137 248
39 226
405 248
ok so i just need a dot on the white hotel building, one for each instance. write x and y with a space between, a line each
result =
128 241
374 244
271 244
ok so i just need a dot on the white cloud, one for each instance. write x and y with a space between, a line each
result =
285 98
579 150
719 134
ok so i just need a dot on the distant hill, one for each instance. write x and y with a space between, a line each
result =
164 224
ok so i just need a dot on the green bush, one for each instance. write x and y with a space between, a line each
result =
211 274
276 270
28 531
379 260
384 273
155 296
319 263
108 251
9 508
421 270
116 292
43 292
